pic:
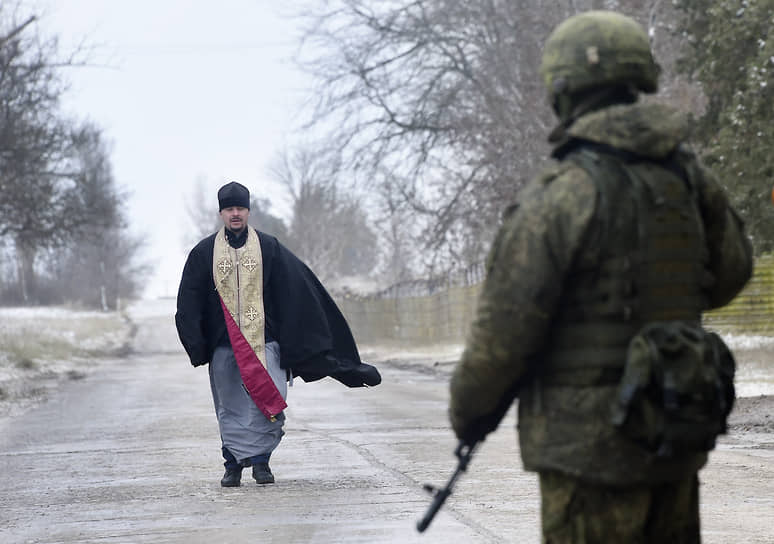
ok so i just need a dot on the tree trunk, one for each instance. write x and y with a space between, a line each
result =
25 268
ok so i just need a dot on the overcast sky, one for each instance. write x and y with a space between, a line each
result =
192 88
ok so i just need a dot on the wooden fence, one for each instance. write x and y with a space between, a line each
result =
444 313
752 311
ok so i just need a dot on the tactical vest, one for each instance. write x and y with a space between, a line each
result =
644 260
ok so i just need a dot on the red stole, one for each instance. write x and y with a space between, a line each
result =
255 377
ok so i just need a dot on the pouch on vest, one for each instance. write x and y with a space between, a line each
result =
677 389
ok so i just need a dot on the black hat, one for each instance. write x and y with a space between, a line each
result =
233 194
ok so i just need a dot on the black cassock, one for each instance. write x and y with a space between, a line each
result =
315 339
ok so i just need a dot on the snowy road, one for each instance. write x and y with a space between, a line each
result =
131 454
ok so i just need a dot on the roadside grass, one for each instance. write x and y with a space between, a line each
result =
41 346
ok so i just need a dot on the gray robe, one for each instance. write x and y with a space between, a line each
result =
244 430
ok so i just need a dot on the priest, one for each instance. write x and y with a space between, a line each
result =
258 316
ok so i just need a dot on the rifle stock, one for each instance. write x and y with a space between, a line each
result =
464 453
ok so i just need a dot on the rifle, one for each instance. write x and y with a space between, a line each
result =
464 453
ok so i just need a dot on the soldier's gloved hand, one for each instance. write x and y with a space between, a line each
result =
468 432
472 430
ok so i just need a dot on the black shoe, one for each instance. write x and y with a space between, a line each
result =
232 478
262 473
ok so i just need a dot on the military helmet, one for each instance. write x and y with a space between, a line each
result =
596 49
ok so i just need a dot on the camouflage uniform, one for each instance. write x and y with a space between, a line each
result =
626 228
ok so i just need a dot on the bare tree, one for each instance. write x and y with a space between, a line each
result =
104 273
329 231
445 98
262 219
440 94
202 213
39 207
397 255
99 264
61 209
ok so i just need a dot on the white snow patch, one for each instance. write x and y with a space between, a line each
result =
148 308
360 286
742 341
40 346
443 353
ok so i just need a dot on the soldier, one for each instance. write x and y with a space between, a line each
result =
591 310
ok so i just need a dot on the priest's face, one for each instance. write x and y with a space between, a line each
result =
235 218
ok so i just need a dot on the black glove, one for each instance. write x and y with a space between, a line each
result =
475 430
359 376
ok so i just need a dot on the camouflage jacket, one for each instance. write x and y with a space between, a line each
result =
531 267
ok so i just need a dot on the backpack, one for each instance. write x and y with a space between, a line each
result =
677 389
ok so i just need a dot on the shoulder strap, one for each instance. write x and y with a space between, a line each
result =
604 175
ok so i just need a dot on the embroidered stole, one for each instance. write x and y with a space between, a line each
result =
238 276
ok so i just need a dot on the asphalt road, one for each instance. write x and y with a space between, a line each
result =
131 454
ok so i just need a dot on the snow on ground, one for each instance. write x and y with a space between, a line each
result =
152 308
754 356
41 346
47 312
434 352
754 364
353 285
743 341
49 331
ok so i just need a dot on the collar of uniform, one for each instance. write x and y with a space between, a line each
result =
648 129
